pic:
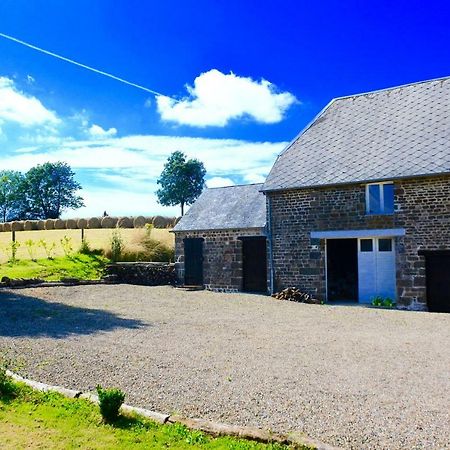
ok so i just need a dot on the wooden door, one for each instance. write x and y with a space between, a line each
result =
254 258
438 282
193 261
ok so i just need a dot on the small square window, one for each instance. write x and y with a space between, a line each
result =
366 245
385 245
380 198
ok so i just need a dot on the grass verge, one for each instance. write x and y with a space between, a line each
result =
31 419
83 267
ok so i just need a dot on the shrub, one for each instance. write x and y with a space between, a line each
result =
117 246
30 244
85 248
110 402
66 244
13 246
7 386
48 248
382 302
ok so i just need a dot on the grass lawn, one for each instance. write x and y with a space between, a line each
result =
97 238
84 267
36 420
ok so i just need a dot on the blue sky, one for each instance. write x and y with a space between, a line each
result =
248 76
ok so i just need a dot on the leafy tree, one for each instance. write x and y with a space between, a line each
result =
50 188
181 181
11 195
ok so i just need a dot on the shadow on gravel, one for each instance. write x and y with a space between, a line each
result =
21 315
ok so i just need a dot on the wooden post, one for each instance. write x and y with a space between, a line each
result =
82 234
13 235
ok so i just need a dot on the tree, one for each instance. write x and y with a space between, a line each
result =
181 181
11 195
50 188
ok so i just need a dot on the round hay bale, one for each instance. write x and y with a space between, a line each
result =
17 226
2 227
7 226
149 220
71 224
139 222
60 224
49 224
125 222
28 225
93 222
109 222
41 225
159 222
82 223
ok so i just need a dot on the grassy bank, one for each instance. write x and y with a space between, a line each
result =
83 267
33 420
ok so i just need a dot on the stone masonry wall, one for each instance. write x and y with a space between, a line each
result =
222 257
422 207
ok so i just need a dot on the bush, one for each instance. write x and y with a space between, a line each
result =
7 386
383 302
110 402
117 246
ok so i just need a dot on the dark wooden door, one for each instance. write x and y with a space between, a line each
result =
193 261
254 264
438 282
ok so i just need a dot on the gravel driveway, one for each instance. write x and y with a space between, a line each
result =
349 376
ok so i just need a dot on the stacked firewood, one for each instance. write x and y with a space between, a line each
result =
294 294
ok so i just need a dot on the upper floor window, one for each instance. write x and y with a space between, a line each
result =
380 198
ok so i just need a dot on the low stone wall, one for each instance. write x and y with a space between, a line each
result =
143 273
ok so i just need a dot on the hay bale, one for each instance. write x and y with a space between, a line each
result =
7 226
82 223
60 224
159 222
93 222
49 224
71 224
139 222
109 222
149 220
2 227
28 225
17 226
125 222
41 225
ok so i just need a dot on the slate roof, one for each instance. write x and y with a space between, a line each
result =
382 135
226 208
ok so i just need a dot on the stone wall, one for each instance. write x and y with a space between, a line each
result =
142 273
222 257
421 207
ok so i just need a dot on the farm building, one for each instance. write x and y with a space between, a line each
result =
357 207
220 242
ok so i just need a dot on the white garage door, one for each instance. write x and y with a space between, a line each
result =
376 268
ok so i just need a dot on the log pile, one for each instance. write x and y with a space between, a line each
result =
294 294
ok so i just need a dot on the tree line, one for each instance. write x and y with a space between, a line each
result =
43 192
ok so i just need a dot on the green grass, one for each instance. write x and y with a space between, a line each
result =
84 267
33 420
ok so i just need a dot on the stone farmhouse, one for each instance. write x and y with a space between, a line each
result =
357 206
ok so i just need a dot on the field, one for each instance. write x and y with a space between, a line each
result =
97 238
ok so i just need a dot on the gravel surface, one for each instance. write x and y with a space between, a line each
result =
353 377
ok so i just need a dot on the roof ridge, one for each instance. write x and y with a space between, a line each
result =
391 88
235 185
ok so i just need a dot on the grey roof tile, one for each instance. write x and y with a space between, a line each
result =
226 208
392 133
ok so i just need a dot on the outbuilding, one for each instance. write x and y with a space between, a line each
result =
220 243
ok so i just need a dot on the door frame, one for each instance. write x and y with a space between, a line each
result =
254 238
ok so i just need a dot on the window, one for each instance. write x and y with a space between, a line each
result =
380 198
385 245
366 245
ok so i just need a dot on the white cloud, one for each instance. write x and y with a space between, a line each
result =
216 98
25 110
219 182
97 132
